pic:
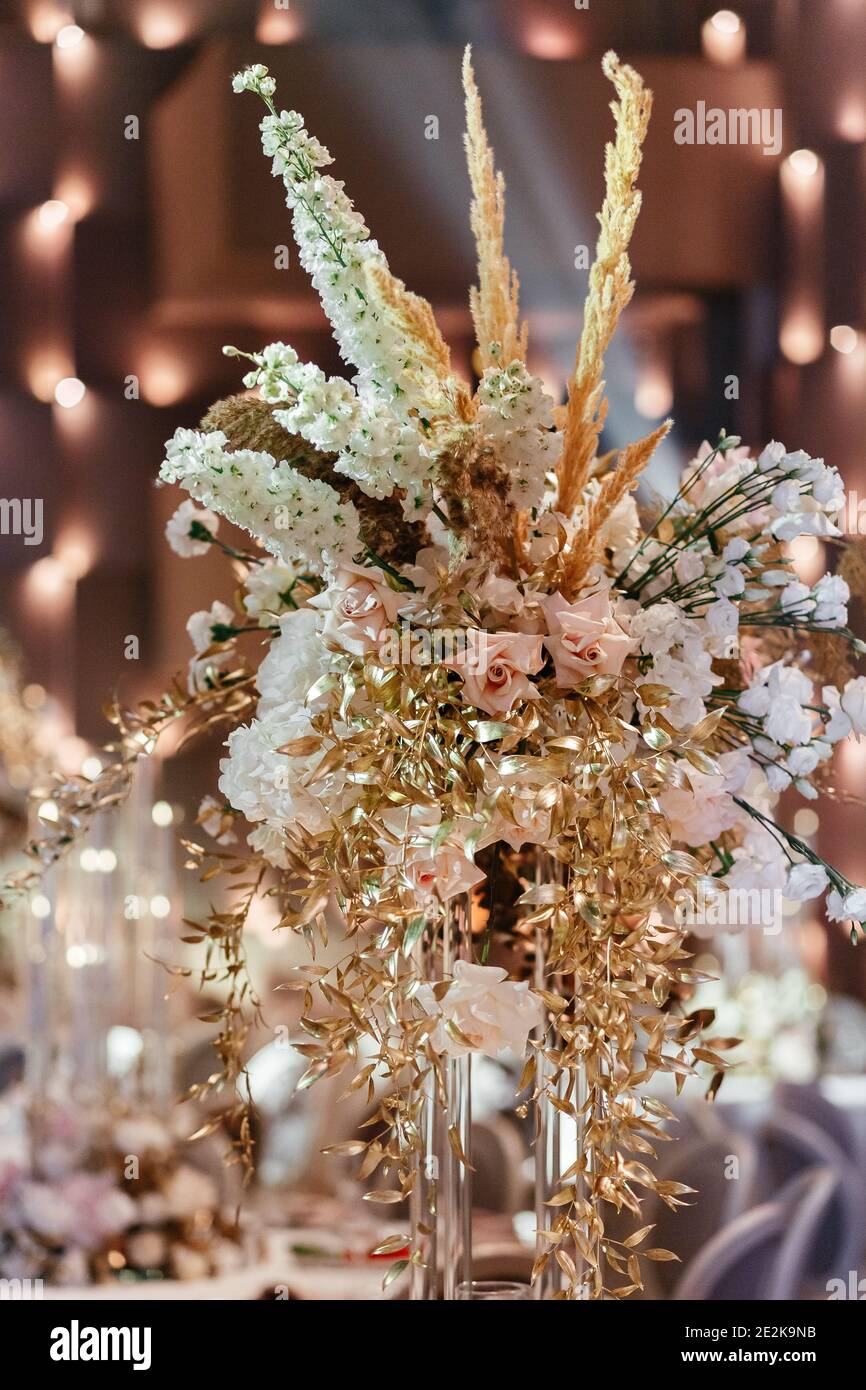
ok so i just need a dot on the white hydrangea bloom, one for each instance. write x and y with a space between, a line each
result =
291 516
682 659
296 659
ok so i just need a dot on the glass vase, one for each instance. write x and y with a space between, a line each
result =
442 1195
559 1136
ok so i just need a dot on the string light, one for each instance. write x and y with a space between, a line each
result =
69 392
804 163
40 907
53 213
161 26
69 36
844 338
723 38
160 906
162 814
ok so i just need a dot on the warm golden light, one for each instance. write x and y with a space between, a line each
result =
43 371
551 38
851 119
47 579
804 163
723 38
77 192
53 213
69 36
76 551
809 558
162 26
69 392
162 379
276 26
654 394
844 338
45 21
802 338
806 823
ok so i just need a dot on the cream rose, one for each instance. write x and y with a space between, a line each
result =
496 667
359 608
585 638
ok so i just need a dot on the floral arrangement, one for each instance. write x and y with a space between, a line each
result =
491 678
115 1203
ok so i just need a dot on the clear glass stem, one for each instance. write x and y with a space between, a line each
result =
456 1123
558 1137
442 1196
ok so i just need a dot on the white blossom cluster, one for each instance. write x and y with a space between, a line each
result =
681 652
517 414
294 517
373 447
270 787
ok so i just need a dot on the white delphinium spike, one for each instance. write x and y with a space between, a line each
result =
337 252
375 450
292 516
516 413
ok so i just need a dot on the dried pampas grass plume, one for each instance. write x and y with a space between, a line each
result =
610 283
413 317
495 301
587 542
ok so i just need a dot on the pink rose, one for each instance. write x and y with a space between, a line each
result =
495 667
585 638
360 608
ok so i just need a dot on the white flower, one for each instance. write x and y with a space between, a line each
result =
777 695
736 549
699 814
264 784
853 702
805 881
787 722
180 524
294 517
516 412
831 601
203 671
296 659
141 1135
797 596
731 582
689 566
771 457
493 1013
851 908
847 711
268 589
199 625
